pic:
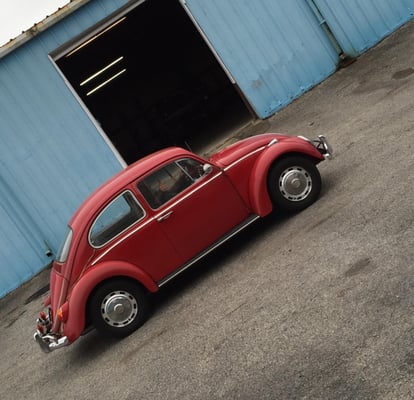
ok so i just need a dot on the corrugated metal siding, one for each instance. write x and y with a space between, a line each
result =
358 25
51 154
17 231
274 49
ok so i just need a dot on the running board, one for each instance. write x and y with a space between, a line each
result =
209 249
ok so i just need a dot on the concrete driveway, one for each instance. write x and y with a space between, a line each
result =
314 306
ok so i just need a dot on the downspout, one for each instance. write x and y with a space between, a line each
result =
344 59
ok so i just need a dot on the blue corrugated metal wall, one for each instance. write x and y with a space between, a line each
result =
360 24
275 50
51 154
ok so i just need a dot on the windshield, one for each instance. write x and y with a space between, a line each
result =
62 254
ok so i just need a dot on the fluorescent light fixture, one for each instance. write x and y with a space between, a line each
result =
94 37
106 82
101 71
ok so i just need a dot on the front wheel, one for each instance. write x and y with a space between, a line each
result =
294 183
118 308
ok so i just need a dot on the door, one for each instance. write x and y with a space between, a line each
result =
196 205
274 50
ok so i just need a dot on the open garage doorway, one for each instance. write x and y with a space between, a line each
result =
151 81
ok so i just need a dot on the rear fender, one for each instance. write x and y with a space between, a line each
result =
80 293
259 196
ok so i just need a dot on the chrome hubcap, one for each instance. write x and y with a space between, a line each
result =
119 308
295 183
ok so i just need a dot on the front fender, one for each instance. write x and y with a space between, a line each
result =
259 196
75 322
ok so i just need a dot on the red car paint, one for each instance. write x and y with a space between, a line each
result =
229 192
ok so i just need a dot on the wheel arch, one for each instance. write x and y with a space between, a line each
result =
90 281
258 184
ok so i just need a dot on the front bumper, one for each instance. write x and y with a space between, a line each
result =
50 342
322 145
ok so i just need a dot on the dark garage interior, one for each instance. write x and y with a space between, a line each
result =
151 81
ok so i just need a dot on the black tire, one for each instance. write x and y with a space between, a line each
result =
294 183
118 308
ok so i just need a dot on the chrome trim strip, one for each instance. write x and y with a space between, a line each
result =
219 173
117 242
243 158
151 219
165 216
305 139
224 239
134 197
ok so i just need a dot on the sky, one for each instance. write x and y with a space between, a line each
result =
19 15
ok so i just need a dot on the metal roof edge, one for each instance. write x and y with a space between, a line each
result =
41 26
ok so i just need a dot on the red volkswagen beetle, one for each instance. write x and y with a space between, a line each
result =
158 217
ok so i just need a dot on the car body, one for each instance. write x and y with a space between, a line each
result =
160 215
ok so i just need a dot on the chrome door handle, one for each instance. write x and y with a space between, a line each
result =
164 216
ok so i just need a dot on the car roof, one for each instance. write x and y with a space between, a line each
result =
123 178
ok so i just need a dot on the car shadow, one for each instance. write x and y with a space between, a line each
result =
208 265
217 259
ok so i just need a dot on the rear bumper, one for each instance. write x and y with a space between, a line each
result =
43 336
50 342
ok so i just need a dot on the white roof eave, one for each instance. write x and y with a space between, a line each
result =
41 26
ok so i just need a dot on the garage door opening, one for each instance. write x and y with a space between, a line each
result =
151 81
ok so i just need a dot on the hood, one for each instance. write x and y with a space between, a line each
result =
237 150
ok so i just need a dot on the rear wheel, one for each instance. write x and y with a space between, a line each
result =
118 308
294 183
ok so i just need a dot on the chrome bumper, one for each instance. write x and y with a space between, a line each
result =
322 145
50 342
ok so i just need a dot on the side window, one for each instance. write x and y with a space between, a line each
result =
119 215
167 182
192 168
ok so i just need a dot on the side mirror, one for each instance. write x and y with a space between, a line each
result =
207 168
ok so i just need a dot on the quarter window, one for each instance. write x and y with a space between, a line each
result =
118 216
63 251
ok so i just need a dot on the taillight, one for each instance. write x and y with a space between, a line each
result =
62 313
43 323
